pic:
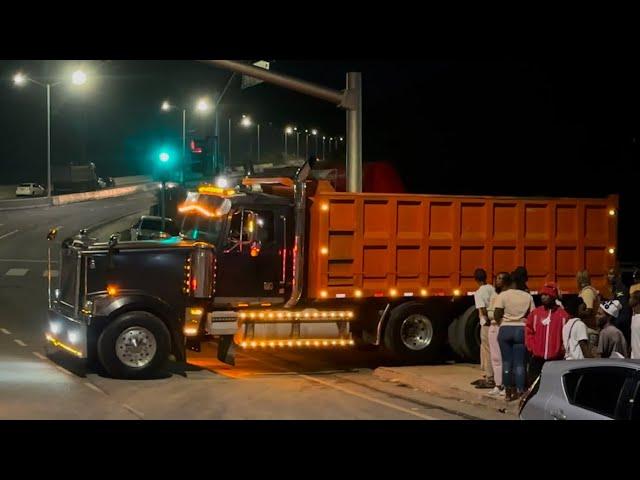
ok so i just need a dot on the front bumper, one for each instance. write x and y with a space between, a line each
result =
67 334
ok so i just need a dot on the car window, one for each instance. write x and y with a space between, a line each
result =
152 224
597 389
265 226
635 408
25 184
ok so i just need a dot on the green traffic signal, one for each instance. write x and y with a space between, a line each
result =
164 157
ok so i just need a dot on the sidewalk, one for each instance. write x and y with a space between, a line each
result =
451 381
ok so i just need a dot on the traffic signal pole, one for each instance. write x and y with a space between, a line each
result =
349 99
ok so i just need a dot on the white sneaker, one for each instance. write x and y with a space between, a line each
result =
496 391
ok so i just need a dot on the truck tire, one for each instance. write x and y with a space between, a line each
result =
467 334
455 339
413 335
134 345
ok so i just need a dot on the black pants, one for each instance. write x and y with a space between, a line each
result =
535 367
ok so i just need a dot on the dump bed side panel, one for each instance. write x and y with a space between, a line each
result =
386 244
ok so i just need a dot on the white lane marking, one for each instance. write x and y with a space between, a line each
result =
40 356
368 397
5 331
54 273
24 260
8 234
347 390
63 370
19 342
133 410
17 272
94 388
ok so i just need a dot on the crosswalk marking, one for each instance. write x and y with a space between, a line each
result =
17 272
54 273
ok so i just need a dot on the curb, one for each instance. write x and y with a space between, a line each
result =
446 391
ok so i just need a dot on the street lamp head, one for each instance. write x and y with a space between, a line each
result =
314 132
246 121
164 157
295 129
19 79
288 130
202 105
78 77
341 139
324 138
166 106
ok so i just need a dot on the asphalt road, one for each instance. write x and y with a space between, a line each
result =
295 384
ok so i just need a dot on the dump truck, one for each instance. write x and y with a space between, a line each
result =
289 263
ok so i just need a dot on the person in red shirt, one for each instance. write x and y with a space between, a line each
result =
543 331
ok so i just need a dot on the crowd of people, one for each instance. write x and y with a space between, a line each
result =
517 337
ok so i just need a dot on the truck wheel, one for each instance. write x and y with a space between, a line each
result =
468 334
454 338
134 345
413 335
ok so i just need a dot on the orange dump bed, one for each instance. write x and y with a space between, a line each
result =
402 245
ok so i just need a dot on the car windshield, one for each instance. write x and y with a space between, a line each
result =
25 184
153 224
197 227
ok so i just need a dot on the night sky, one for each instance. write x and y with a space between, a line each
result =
482 127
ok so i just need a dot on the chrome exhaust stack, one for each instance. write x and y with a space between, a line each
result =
300 202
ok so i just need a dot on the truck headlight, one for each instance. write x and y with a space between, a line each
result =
73 336
55 327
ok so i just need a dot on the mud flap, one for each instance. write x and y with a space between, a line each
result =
227 350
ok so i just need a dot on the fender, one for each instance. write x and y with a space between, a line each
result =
107 307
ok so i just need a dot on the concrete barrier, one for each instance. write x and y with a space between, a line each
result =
135 179
105 193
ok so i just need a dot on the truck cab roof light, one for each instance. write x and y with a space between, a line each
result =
112 290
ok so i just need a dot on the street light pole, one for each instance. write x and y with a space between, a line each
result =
285 146
297 145
258 144
49 186
184 144
323 139
229 142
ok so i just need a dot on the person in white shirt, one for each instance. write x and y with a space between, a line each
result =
575 338
634 303
482 297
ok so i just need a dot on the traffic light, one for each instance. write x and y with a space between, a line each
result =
164 157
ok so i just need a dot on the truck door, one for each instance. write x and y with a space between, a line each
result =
250 262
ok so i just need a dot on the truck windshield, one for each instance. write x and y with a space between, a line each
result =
205 229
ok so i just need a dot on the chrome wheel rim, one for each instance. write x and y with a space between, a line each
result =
416 332
136 347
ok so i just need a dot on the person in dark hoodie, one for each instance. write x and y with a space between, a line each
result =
543 331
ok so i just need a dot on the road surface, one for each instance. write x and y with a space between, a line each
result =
302 384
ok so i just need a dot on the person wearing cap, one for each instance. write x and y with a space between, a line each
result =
611 341
543 331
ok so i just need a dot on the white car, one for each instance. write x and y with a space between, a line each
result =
150 228
30 190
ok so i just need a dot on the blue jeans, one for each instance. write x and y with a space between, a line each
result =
511 340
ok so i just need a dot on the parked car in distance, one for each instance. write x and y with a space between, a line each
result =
590 389
30 190
150 228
